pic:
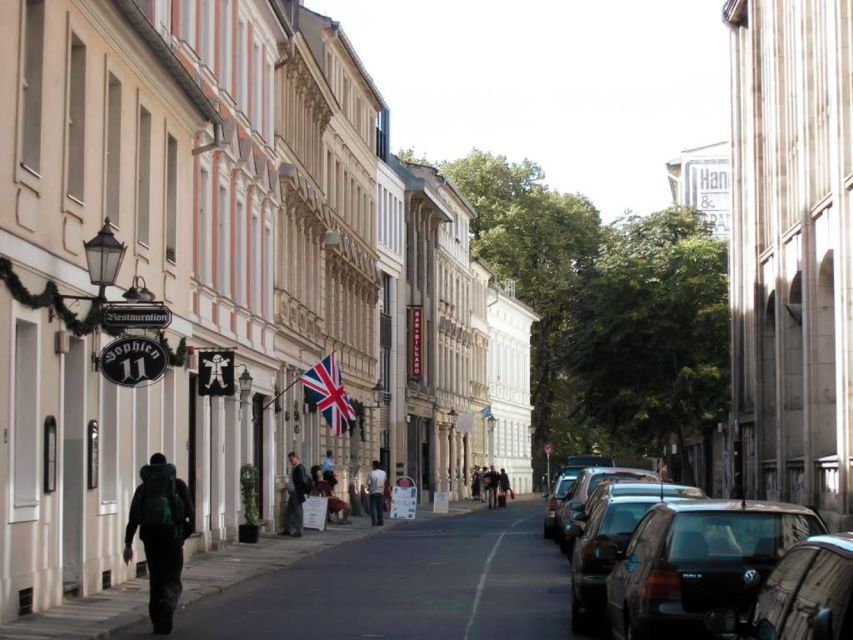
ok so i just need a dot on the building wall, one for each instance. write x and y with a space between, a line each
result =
789 437
97 128
509 389
482 293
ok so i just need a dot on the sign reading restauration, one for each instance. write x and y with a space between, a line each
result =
129 361
121 316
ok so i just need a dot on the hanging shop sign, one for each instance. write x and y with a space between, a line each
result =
134 359
216 373
416 371
123 316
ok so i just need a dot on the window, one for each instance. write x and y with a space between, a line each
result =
242 66
188 22
223 269
76 118
269 106
772 602
112 197
240 257
256 263
143 178
207 28
171 199
32 85
25 428
202 272
268 273
225 46
257 88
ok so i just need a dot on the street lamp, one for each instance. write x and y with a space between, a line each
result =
378 395
104 255
492 421
452 415
245 380
134 293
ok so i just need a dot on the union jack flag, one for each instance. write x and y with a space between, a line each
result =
326 387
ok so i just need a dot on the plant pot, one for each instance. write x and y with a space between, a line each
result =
249 533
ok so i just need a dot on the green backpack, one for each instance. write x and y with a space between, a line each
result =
161 506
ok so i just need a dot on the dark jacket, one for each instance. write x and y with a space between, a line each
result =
503 481
301 484
136 515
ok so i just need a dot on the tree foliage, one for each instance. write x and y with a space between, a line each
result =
651 340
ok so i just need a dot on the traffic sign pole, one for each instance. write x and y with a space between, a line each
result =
548 459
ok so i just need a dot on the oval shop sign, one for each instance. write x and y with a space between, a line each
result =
129 361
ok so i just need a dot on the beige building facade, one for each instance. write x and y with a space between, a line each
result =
101 125
792 163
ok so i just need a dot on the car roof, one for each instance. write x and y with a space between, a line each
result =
649 488
839 542
644 498
594 471
752 506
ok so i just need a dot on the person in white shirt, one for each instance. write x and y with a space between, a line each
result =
376 482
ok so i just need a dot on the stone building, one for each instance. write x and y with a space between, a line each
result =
510 321
790 433
483 292
102 118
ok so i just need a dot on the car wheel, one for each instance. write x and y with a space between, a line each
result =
579 618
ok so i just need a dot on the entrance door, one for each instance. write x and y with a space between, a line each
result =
193 434
258 434
73 463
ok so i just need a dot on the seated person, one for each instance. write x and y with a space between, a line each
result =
336 505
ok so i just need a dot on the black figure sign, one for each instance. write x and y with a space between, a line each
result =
216 373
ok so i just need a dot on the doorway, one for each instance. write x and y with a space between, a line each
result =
258 441
73 464
191 444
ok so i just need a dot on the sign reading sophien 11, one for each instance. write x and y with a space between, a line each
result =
134 359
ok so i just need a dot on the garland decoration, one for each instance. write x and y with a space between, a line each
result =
51 298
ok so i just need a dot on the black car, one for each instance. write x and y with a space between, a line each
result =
686 558
611 522
616 511
808 595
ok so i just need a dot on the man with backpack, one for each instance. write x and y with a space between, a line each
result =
163 511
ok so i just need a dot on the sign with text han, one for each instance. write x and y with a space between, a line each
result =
129 361
123 316
416 367
216 373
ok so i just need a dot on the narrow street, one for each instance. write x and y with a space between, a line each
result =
482 575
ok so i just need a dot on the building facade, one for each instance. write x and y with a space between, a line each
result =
702 178
790 433
509 442
483 292
103 120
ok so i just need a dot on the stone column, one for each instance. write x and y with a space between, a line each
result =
451 461
233 504
457 466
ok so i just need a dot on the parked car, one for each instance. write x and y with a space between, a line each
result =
808 595
583 487
688 557
558 492
615 511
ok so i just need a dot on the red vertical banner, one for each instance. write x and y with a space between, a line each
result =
416 333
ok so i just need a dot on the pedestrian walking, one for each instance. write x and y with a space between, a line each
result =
503 488
376 487
163 511
301 487
475 483
491 480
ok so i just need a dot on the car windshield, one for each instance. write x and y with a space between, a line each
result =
739 536
657 489
622 518
614 477
563 487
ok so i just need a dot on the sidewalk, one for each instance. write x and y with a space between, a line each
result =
126 604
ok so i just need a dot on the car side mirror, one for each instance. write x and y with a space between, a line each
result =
721 621
822 625
576 505
607 553
579 516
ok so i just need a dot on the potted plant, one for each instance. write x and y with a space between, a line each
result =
249 477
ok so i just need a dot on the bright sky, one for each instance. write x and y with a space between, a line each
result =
601 93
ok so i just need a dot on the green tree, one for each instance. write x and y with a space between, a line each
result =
544 241
650 346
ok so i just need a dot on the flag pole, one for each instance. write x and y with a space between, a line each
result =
282 392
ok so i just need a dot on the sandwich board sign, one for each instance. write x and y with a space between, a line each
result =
314 511
404 502
441 502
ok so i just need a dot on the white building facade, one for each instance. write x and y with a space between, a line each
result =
702 178
509 443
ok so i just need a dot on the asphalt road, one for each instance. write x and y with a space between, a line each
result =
488 574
